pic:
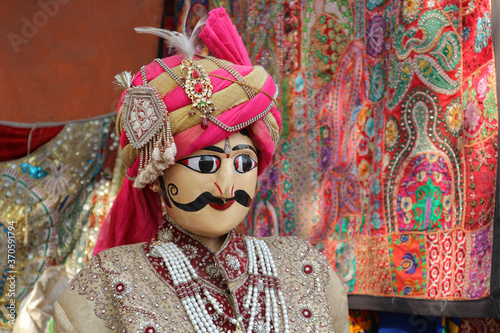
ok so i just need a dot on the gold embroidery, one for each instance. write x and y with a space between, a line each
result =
130 295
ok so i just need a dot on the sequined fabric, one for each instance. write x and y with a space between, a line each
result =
60 194
130 291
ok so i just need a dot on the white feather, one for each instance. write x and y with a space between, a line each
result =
180 42
186 9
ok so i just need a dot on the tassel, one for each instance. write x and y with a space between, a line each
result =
156 156
169 156
123 80
170 153
174 148
156 152
149 175
139 182
158 167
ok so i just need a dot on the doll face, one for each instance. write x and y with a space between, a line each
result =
210 191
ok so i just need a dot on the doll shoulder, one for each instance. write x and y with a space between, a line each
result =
89 302
310 283
299 254
108 264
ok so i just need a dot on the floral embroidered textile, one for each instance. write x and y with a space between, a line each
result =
389 145
127 288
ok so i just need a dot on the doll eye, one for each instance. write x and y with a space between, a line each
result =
203 163
244 163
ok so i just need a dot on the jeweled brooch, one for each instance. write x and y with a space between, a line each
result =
199 89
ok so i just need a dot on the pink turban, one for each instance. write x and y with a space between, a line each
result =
243 96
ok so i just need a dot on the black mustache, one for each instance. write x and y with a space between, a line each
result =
240 196
199 203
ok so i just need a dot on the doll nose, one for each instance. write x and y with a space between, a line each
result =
224 181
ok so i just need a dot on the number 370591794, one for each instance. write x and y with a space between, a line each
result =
11 240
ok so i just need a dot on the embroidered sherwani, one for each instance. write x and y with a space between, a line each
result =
126 289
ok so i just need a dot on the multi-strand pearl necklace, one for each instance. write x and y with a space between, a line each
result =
188 286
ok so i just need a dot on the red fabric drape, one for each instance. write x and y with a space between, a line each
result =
14 140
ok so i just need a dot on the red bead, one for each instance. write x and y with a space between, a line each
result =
198 87
204 123
307 313
196 74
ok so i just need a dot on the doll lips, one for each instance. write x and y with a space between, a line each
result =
223 206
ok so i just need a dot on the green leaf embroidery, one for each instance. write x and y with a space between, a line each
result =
490 107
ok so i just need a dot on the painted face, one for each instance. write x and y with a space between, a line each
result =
210 191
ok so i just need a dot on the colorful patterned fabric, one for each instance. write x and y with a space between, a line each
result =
389 151
363 321
387 162
61 201
479 325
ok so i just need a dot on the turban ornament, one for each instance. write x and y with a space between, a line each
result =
147 126
194 100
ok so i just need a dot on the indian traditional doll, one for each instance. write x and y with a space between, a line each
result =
196 131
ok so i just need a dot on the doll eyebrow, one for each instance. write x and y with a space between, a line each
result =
238 147
215 149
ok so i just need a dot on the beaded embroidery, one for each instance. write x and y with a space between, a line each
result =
144 114
141 281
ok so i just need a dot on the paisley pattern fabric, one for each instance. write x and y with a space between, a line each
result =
387 162
389 152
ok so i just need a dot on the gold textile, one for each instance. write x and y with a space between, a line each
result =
90 304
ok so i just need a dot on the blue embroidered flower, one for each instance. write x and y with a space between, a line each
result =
376 186
377 83
370 127
34 172
376 221
466 34
378 151
483 32
409 263
299 83
372 4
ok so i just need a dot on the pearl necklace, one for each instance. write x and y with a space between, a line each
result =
188 286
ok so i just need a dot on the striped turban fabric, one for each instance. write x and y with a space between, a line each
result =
234 107
243 96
